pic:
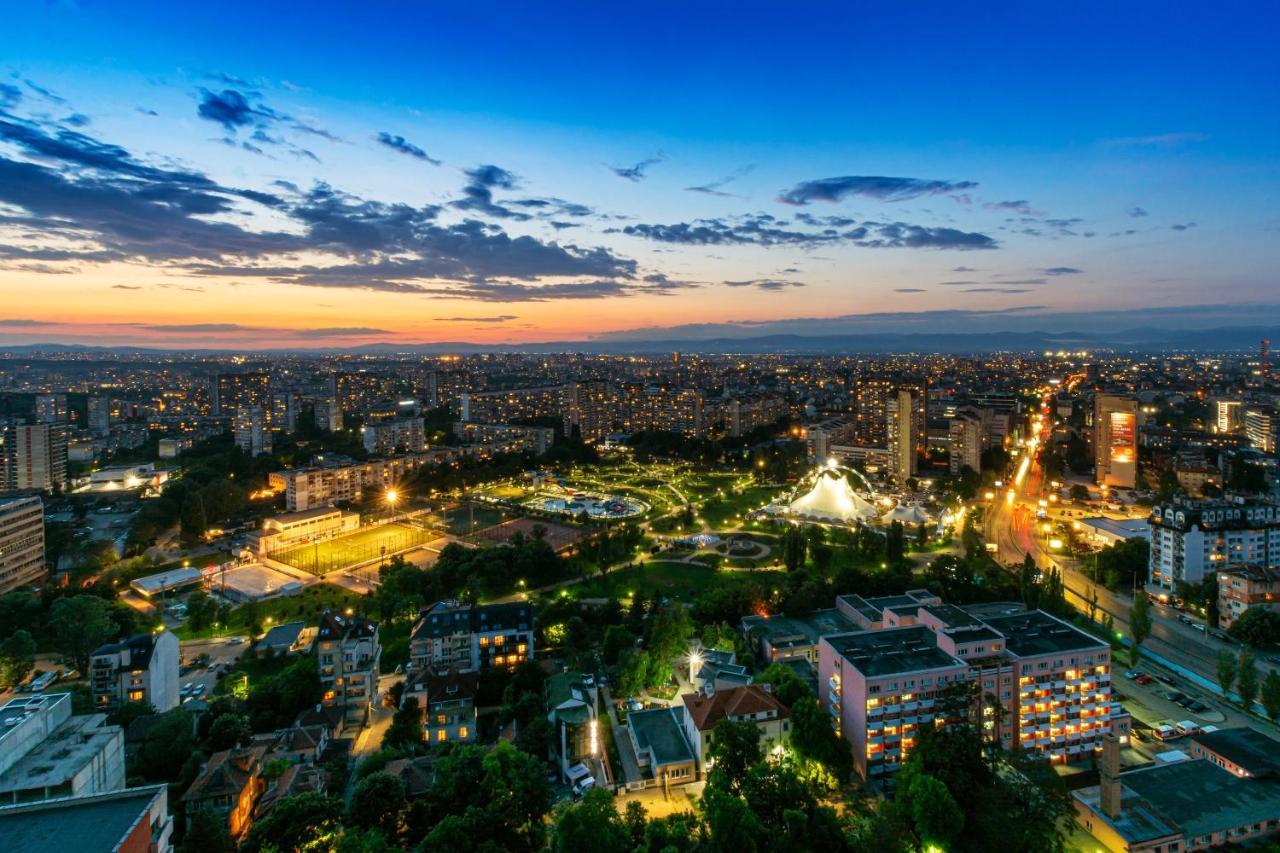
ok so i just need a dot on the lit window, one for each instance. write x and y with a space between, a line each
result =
440 735
462 732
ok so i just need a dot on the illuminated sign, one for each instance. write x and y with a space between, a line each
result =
1123 427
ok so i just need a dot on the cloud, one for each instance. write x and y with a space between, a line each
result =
44 93
765 284
399 143
767 230
126 287
10 96
1022 281
713 188
872 186
22 322
497 318
339 331
1159 140
955 283
147 111
1061 271
478 193
995 290
1136 212
232 109
1183 226
963 269
909 290
636 173
1021 206
201 328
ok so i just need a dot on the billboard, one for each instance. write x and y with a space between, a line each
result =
1123 431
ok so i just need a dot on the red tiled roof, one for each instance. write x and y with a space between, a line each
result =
752 699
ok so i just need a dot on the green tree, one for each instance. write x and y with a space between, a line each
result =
593 824
378 803
169 745
895 543
405 732
295 823
17 657
207 834
730 823
202 610
251 617
192 522
1139 625
80 624
1226 671
228 731
1247 678
1079 493
933 811
734 749
1271 695
516 794
1258 627
1029 583
793 547
786 685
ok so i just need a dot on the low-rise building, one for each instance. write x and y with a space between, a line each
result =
296 528
1104 532
348 653
471 637
571 710
46 752
1243 752
753 704
661 746
782 636
130 820
229 786
1244 586
142 668
448 704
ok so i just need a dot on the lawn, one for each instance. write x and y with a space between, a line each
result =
730 510
682 581
342 552
306 606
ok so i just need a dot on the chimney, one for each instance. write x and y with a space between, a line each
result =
1110 791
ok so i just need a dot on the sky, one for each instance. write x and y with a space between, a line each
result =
258 176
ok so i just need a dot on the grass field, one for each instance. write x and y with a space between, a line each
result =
342 552
680 581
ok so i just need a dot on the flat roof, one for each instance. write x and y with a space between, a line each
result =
1126 528
1204 797
1035 633
86 824
1258 754
658 730
166 580
784 631
61 754
893 650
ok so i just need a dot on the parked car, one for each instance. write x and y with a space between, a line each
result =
186 689
198 690
1197 707
1176 697
1144 680
1186 727
1134 674
1165 732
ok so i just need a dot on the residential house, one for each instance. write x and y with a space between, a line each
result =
348 652
142 668
753 703
448 704
229 786
472 637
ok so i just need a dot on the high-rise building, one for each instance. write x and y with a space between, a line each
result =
968 437
234 391
35 457
328 415
516 404
590 409
902 426
1261 427
356 392
284 411
252 434
1228 415
399 435
99 415
21 543
1115 440
871 426
51 408
1190 539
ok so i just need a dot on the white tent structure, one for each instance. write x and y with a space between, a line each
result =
832 499
907 513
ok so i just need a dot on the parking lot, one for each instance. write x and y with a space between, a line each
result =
222 653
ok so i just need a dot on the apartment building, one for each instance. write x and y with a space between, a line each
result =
903 423
966 432
665 409
1245 586
516 404
235 391
1115 434
1041 685
21 543
590 410
252 431
505 438
46 752
448 703
33 457
348 653
229 787
743 413
324 485
397 435
471 637
142 668
131 820
1190 539
1261 428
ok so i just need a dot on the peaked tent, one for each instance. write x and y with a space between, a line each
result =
832 499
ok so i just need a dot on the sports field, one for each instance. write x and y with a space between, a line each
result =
342 552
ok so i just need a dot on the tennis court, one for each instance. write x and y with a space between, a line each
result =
343 552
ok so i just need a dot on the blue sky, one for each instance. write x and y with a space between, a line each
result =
799 161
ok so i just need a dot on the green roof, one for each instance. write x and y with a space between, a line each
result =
568 699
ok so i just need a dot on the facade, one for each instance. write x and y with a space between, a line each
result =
450 635
130 820
229 786
51 408
235 391
872 411
752 703
1245 586
34 457
506 438
516 404
327 415
967 436
661 746
448 703
295 528
99 421
1261 428
1041 685
348 652
1115 433
143 668
901 426
252 433
397 435
1228 415
21 543
590 409
324 485
665 409
1190 539
742 414
46 753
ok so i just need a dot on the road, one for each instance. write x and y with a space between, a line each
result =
221 651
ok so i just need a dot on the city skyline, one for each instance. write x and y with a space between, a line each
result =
503 176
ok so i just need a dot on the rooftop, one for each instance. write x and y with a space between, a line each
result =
338 626
1252 750
1202 797
784 631
85 824
1127 528
61 754
893 650
659 731
1036 633
706 711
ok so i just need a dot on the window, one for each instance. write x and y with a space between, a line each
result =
462 732
441 736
